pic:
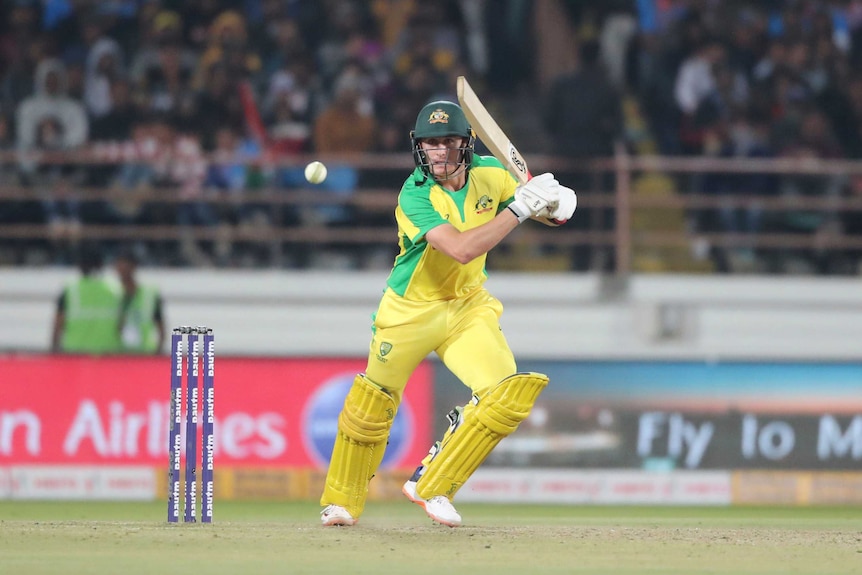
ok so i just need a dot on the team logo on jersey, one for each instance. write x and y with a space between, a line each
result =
438 116
484 204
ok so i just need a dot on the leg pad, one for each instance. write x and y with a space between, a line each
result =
486 421
363 431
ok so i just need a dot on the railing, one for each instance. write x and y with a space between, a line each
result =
628 206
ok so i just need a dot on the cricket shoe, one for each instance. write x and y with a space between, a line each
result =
438 508
336 515
409 488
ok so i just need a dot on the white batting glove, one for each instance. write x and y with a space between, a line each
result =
566 206
536 197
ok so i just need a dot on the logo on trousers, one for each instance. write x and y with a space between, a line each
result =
383 351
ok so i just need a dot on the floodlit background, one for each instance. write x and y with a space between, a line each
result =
700 317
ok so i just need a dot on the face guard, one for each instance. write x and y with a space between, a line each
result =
439 120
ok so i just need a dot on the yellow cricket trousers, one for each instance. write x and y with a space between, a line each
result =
464 332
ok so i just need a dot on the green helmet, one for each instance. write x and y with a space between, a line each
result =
438 120
441 118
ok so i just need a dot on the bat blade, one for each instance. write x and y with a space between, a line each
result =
490 132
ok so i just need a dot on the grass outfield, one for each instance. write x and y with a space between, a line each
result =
397 538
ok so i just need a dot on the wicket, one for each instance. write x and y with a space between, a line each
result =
193 366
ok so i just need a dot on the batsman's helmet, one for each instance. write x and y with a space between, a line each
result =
438 120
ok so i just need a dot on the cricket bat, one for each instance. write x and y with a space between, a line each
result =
490 133
495 138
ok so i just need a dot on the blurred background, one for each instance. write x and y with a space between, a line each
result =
700 317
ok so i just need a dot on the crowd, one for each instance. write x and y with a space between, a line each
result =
186 96
771 79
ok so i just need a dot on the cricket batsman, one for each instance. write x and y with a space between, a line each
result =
452 210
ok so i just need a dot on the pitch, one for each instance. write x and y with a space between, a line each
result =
396 538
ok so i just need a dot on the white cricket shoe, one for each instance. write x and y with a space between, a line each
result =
438 508
336 515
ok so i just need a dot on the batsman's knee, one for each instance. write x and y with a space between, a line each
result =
368 412
503 407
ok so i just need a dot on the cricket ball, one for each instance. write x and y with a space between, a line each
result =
315 172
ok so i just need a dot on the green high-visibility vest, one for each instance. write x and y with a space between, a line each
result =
139 330
91 311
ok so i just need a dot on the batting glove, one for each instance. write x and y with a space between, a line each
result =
536 197
566 206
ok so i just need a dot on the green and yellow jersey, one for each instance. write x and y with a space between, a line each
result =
420 272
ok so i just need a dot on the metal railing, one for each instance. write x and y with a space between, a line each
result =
611 212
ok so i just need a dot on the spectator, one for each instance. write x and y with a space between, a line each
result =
773 60
583 112
50 121
104 67
11 212
428 37
141 320
116 124
20 41
55 184
51 101
584 118
842 102
651 73
850 260
288 134
407 92
186 172
735 134
694 82
217 103
137 33
230 176
348 123
227 43
162 73
297 88
810 138
272 32
198 16
170 164
392 16
7 144
283 45
108 101
88 309
345 126
69 28
346 20
180 171
135 173
728 96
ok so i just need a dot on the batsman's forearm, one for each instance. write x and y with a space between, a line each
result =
468 245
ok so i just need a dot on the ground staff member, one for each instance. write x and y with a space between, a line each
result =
88 310
452 210
141 324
